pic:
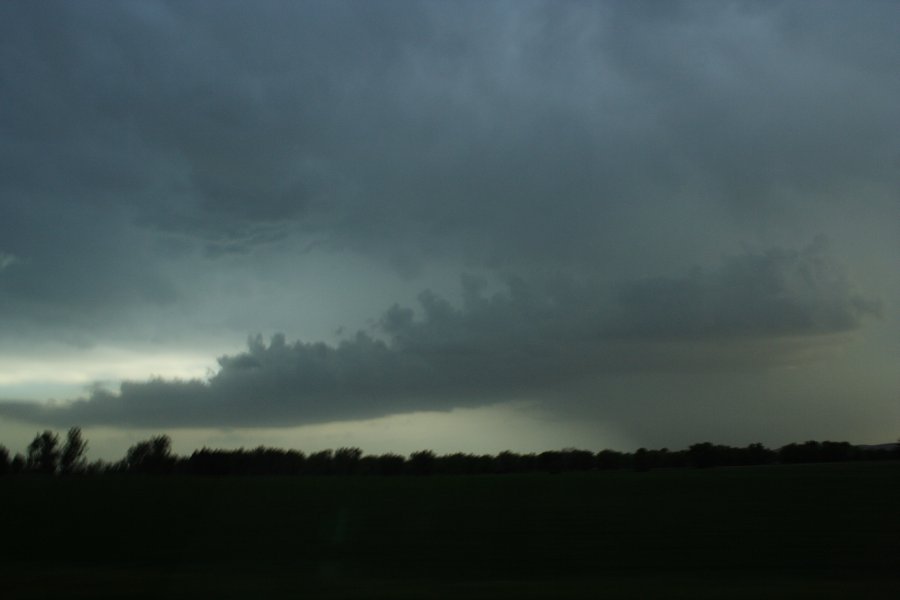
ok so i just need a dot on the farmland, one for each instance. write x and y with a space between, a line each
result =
799 531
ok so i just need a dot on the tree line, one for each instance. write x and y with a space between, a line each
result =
47 455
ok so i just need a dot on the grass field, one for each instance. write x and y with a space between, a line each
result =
802 531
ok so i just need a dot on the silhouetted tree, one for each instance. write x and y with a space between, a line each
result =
813 451
4 461
294 462
508 462
577 460
43 453
390 464
611 459
346 460
72 459
153 456
320 463
642 460
98 467
458 463
211 462
799 453
18 464
422 462
757 454
836 451
550 461
705 455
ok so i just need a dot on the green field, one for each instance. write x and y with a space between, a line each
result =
802 531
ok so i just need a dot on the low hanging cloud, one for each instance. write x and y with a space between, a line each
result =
145 146
527 338
776 293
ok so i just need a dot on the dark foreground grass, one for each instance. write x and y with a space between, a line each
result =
805 531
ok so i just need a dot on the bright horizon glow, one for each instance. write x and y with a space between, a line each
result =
522 427
28 377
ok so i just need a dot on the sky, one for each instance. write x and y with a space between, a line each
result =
464 226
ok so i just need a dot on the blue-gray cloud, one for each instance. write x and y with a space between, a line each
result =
776 293
170 167
524 339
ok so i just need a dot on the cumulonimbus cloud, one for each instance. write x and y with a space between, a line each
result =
523 339
140 139
775 293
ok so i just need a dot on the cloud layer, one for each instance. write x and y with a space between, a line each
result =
634 186
551 135
521 340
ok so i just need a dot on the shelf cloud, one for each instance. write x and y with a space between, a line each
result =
620 187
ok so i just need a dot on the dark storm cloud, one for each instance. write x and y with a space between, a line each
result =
777 293
523 339
584 154
364 122
68 272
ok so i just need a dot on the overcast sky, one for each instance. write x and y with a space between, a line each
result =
459 225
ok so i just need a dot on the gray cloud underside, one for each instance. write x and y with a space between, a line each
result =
522 340
773 294
551 135
179 169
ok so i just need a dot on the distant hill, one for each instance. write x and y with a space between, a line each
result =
888 447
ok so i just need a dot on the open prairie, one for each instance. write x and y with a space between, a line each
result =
801 531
